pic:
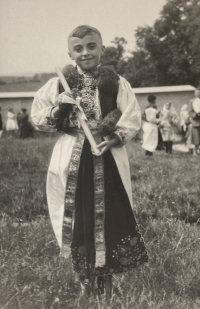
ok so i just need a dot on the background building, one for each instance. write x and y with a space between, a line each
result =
178 95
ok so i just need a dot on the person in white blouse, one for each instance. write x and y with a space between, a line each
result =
150 126
169 126
11 123
194 112
90 197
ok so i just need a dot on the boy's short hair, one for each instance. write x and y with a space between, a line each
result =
151 98
81 31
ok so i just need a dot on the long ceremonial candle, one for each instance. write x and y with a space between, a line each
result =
82 121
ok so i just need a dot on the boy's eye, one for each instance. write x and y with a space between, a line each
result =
78 48
92 46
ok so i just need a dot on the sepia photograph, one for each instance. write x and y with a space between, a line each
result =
100 154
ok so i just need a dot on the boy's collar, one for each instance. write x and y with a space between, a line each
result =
94 71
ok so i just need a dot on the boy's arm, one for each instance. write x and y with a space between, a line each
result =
129 123
46 99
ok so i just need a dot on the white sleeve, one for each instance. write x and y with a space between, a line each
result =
11 115
45 99
151 115
129 123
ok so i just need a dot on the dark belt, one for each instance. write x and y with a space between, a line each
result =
71 131
74 131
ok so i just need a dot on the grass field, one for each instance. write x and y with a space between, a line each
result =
166 197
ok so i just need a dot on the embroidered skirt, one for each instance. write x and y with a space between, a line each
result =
124 247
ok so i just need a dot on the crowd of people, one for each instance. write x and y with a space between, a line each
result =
17 125
161 128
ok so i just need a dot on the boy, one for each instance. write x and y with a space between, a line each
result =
89 197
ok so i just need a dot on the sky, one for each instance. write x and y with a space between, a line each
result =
33 33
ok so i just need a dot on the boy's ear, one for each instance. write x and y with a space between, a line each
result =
70 56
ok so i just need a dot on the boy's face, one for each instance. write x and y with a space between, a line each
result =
86 52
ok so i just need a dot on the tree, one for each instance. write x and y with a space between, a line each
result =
113 55
173 43
36 78
140 70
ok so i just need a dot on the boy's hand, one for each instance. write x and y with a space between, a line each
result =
65 97
106 145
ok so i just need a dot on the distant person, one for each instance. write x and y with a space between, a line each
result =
11 123
150 126
188 136
1 123
184 119
18 116
25 127
169 125
186 127
194 112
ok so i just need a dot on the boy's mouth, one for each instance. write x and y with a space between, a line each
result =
87 59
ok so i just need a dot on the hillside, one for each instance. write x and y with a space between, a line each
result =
24 83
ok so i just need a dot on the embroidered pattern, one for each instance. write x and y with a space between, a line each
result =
88 91
48 118
99 204
70 192
128 254
120 134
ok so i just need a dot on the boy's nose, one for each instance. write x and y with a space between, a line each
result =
85 52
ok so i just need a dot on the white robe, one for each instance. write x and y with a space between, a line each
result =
196 105
130 122
150 128
11 124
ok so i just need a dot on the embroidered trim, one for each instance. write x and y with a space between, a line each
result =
88 89
99 204
131 245
121 135
70 192
48 118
